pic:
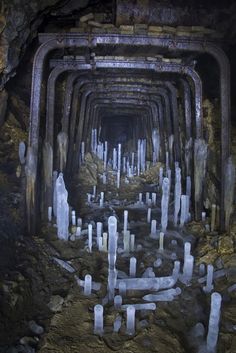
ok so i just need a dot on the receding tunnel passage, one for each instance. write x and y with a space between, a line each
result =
118 129
117 177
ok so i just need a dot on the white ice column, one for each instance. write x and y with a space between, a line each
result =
114 162
213 326
149 212
82 151
87 285
130 323
188 269
160 177
62 209
125 221
90 237
153 228
184 209
209 281
165 204
105 155
98 319
139 157
112 249
177 194
161 241
50 213
132 267
119 156
99 231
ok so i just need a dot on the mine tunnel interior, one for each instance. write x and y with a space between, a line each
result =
117 175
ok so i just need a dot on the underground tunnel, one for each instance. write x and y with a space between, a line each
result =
117 176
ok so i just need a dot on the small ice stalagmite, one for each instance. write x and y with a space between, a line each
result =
161 241
214 319
184 209
178 191
160 177
165 204
90 237
154 198
62 209
99 230
82 151
149 212
209 281
100 244
98 319
188 186
30 172
132 242
176 270
102 199
153 229
125 221
104 242
87 285
50 213
200 158
187 269
187 249
171 143
114 161
119 157
130 320
118 179
229 190
54 180
132 267
156 145
112 250
73 218
117 301
78 232
126 241
21 152
62 140
203 216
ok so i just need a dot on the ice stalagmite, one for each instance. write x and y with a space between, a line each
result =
48 170
62 140
165 204
30 171
229 190
213 326
112 249
178 191
21 152
156 145
200 157
62 209
171 143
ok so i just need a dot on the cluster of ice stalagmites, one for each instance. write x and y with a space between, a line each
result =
175 207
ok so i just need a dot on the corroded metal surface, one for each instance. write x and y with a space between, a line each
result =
166 42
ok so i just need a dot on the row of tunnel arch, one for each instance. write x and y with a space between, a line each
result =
147 83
